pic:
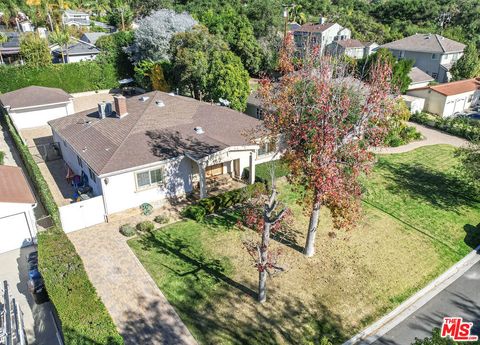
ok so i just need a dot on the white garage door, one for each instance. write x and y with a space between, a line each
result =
14 232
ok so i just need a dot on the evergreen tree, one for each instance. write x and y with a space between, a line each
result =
468 66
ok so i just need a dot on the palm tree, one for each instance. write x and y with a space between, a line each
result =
3 39
62 38
296 15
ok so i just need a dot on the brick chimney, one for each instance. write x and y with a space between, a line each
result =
120 106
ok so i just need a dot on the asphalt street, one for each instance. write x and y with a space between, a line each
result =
461 299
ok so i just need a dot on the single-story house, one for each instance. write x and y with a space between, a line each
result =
415 104
78 51
34 106
351 47
419 78
156 146
17 201
450 98
92 37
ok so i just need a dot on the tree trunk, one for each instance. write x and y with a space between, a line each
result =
312 229
262 284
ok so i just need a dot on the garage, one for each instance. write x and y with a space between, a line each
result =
17 203
14 232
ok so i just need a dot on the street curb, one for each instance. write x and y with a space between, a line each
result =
404 310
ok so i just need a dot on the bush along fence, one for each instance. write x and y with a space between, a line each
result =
84 318
215 203
459 126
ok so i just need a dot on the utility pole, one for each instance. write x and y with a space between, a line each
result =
286 7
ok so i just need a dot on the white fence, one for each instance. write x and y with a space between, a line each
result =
82 214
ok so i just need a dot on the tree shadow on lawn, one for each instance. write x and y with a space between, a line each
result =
472 235
169 245
442 190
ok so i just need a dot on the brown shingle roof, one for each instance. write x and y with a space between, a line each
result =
428 43
314 27
455 87
33 96
150 133
419 76
14 187
350 43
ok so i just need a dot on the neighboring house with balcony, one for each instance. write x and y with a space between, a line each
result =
75 18
157 146
309 36
450 98
352 48
432 53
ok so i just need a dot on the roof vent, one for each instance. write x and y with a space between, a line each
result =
144 98
102 110
171 93
199 130
224 102
160 103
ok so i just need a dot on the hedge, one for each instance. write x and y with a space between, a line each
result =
82 314
71 77
84 318
459 126
35 174
215 203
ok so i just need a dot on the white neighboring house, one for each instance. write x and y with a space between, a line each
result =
17 201
415 104
419 78
352 48
319 35
156 146
75 18
450 98
77 52
34 106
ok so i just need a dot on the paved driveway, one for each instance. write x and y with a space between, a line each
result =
461 298
37 318
139 309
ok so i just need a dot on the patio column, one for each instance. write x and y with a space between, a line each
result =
251 177
203 180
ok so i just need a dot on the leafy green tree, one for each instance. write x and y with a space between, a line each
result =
468 66
265 16
113 51
120 14
35 50
62 39
435 339
295 14
470 159
207 69
237 31
3 39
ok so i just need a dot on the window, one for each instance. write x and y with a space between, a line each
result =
267 147
92 175
79 162
149 178
434 56
402 54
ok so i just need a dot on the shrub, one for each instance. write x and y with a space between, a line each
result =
127 230
2 156
71 77
83 316
35 174
161 219
215 203
146 209
145 226
459 126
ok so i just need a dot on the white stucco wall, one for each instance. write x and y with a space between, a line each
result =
39 116
413 86
459 103
434 102
120 193
78 58
17 225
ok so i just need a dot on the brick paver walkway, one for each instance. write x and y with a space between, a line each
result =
139 309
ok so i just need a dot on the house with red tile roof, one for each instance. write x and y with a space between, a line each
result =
449 98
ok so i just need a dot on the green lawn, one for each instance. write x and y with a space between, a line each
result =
417 221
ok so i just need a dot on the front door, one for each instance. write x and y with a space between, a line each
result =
214 170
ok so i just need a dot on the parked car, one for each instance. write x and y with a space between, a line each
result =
473 116
35 283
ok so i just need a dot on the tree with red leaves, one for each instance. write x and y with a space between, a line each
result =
267 217
329 121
